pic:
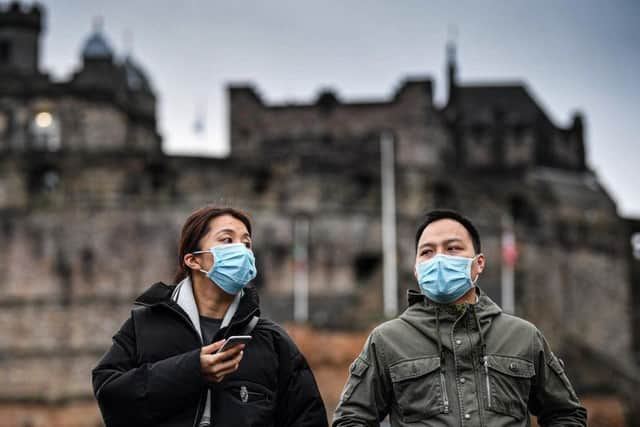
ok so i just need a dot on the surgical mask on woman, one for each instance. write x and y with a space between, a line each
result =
233 267
445 278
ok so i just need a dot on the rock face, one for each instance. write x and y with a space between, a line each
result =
91 208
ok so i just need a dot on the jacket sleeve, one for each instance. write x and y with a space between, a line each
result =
129 393
366 395
299 402
553 399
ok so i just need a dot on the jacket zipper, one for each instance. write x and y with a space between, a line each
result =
488 383
200 410
445 398
203 396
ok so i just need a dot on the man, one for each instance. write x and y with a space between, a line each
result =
453 358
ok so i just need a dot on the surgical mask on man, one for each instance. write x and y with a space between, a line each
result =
233 267
445 278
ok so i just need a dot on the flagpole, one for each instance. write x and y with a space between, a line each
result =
390 284
508 265
301 269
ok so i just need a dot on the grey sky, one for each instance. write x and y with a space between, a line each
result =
573 55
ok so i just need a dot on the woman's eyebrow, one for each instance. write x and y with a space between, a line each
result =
225 230
232 231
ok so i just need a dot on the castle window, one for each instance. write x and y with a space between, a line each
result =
518 133
261 181
5 52
45 131
522 212
4 123
366 265
362 184
478 132
43 179
443 196
88 261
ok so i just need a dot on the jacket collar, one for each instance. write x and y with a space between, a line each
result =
160 294
485 307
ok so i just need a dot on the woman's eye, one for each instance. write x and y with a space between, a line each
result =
227 240
248 245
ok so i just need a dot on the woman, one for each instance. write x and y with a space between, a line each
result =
163 368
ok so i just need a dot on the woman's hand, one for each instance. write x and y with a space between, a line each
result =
214 366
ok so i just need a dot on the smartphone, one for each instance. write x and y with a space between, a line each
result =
233 341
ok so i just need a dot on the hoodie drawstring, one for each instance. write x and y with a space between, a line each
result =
443 382
483 345
483 356
440 349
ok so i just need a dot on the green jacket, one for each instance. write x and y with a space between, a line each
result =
431 367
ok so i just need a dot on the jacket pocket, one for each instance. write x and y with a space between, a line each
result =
508 383
356 372
248 391
419 388
243 403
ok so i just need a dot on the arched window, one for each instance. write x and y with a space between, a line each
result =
45 131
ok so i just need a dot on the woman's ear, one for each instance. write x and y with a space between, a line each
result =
190 261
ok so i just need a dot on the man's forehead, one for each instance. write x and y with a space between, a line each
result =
444 230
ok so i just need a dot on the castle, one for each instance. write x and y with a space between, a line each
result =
91 208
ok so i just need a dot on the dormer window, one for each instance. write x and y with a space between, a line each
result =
45 131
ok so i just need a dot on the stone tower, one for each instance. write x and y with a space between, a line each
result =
20 38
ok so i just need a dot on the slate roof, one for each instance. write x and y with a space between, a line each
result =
479 104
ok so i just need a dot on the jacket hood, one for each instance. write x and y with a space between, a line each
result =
423 314
160 294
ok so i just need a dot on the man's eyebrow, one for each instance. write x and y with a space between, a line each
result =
446 241
454 239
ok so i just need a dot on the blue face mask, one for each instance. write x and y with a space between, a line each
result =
445 278
233 267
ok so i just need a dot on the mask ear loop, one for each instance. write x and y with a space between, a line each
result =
474 281
203 252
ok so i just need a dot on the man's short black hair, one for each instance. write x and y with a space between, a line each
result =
450 214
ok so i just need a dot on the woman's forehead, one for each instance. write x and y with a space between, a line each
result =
227 223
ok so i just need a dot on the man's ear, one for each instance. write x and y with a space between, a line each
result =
481 263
